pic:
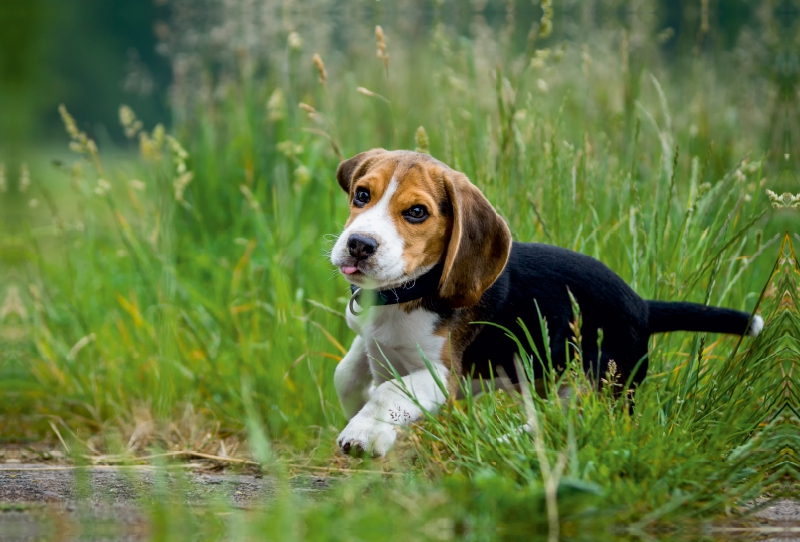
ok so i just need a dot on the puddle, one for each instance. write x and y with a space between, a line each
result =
42 502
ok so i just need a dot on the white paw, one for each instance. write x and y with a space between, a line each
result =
367 435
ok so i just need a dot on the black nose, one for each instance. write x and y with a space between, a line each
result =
361 247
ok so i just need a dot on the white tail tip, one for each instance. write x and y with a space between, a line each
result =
756 326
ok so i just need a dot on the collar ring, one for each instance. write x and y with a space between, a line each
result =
352 300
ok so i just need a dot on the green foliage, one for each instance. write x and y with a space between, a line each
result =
180 292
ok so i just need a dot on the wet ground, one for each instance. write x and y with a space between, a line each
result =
40 483
58 502
44 502
779 522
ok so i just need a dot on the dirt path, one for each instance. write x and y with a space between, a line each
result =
783 511
38 483
31 483
36 498
45 502
781 521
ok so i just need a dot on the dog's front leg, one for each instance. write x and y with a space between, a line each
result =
353 378
372 430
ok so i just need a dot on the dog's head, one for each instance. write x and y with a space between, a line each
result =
409 212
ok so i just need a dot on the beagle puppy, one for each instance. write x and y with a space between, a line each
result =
428 259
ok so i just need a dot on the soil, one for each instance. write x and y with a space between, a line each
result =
43 502
37 501
780 521
40 483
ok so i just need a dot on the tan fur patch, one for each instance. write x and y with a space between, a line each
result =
450 357
419 183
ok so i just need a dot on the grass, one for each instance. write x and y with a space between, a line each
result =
174 293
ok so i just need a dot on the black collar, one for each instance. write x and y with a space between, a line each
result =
426 285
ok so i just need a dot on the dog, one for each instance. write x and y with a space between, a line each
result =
438 260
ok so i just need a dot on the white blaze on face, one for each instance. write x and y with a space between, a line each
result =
386 266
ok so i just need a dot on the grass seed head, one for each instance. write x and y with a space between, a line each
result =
289 148
546 23
179 155
146 147
612 376
381 41
539 58
129 121
365 91
180 183
323 75
24 178
103 187
69 122
587 61
295 41
313 114
80 143
158 136
577 321
152 145
307 108
276 106
784 200
422 140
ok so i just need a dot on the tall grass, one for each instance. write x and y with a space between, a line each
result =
178 286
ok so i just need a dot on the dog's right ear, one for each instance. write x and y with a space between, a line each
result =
356 167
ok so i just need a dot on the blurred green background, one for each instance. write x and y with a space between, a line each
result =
94 55
164 282
90 54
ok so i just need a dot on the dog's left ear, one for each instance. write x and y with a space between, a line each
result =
352 169
479 245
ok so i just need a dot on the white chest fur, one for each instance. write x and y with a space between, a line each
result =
394 335
389 336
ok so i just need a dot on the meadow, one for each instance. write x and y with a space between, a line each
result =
173 294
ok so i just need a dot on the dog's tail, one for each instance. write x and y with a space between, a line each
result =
679 316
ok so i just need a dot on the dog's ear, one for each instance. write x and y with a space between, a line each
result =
356 167
479 245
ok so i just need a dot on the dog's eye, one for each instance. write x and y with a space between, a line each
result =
416 214
361 197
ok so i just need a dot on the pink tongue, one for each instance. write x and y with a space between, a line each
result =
348 269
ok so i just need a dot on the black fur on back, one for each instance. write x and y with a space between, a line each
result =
541 274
